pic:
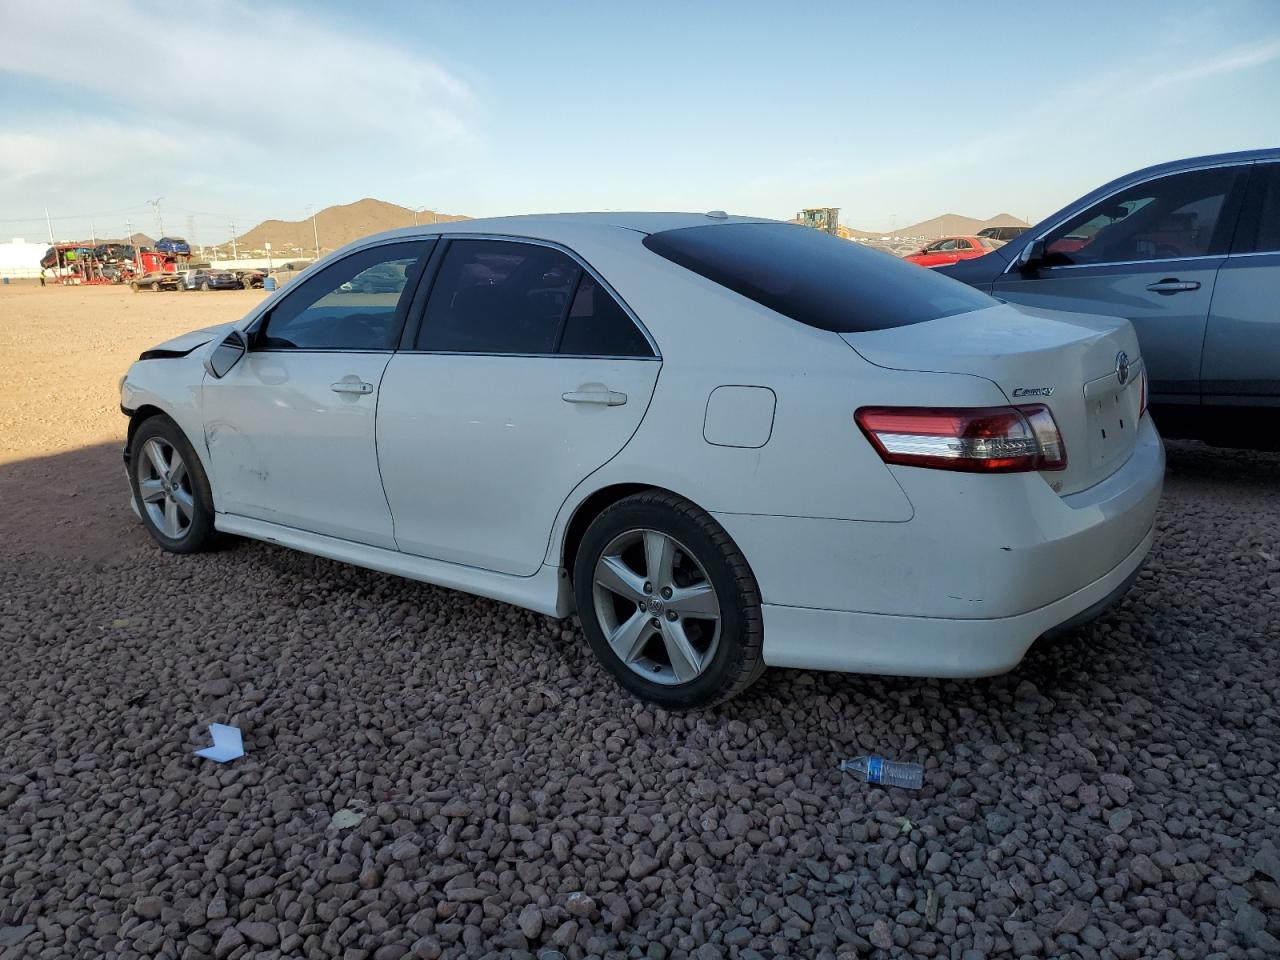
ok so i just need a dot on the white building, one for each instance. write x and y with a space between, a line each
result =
18 258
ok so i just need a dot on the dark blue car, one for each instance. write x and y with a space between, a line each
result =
173 245
1189 253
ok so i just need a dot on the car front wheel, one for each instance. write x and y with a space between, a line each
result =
668 602
170 487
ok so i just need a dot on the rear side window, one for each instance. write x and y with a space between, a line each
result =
508 297
1259 230
815 278
597 326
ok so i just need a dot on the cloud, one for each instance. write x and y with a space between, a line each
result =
135 89
1232 61
77 149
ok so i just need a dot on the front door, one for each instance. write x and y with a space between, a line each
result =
1150 254
526 375
290 428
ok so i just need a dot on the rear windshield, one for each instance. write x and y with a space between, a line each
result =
815 278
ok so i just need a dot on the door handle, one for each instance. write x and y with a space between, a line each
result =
1173 285
608 398
351 386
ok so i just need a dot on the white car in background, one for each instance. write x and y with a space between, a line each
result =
725 443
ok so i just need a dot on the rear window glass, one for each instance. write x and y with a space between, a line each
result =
815 278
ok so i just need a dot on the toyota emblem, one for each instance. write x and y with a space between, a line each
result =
1122 367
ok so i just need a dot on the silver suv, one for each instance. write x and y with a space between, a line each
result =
1189 252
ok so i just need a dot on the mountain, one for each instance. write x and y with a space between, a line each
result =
134 239
950 224
335 227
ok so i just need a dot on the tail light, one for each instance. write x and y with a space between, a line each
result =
971 439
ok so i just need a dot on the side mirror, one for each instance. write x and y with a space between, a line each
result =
227 354
1032 256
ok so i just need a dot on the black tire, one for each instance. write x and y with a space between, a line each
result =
737 660
134 286
199 534
204 285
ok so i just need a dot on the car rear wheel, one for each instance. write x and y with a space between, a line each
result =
668 602
134 286
170 487
204 285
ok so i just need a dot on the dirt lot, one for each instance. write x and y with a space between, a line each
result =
432 775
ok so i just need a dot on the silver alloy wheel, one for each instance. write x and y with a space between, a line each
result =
165 488
656 606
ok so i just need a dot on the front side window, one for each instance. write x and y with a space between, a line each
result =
508 297
815 278
357 303
1183 215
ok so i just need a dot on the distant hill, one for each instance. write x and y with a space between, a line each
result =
134 239
950 224
336 226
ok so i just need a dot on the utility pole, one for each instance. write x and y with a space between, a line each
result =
48 223
155 207
234 254
128 238
315 231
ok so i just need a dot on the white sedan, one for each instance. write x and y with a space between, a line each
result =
725 443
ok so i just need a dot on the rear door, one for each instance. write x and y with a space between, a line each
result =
1150 254
526 374
1242 346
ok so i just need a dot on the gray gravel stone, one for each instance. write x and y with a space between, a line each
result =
1113 796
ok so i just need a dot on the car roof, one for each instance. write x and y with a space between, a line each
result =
560 226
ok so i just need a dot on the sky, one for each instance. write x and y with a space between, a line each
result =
893 112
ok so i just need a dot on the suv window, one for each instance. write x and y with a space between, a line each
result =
357 303
1259 230
1184 215
508 297
815 278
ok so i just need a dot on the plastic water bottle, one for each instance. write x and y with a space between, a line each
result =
890 773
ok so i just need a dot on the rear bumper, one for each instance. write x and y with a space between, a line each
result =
985 566
930 646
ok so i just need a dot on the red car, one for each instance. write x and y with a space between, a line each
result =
950 249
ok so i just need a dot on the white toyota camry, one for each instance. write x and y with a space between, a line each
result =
725 443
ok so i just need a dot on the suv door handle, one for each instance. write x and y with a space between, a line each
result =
1173 285
351 386
608 398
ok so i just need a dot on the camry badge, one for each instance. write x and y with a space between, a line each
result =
1033 391
1122 367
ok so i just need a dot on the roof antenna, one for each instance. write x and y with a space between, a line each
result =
717 215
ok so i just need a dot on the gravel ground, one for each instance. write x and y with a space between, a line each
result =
433 775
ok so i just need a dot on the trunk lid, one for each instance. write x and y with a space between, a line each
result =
1067 361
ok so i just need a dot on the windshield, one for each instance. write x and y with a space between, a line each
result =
815 278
